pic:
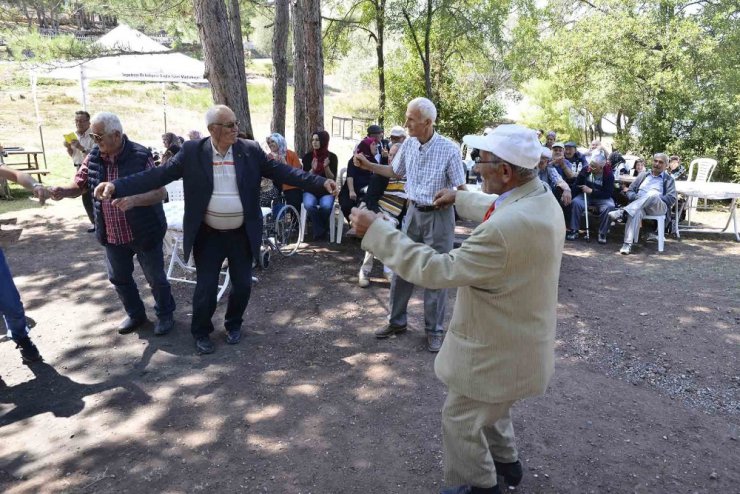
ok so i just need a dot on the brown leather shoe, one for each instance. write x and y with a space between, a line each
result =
389 330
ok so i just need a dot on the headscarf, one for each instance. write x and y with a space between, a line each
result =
321 154
282 146
615 159
364 148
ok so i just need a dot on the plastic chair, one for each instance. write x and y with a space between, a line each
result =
704 170
661 229
174 211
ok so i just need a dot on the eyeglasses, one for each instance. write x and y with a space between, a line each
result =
228 125
97 137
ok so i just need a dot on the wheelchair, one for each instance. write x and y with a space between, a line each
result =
281 231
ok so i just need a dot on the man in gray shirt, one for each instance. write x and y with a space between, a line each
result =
430 163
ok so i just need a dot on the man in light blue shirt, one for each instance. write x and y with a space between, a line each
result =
652 193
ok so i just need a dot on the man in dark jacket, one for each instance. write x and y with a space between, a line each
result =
223 220
126 227
594 183
577 159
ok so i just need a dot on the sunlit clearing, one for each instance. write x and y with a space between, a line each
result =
302 389
268 412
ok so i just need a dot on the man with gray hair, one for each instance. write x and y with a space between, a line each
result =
430 163
126 227
652 193
500 347
221 177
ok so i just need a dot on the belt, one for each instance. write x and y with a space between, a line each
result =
424 209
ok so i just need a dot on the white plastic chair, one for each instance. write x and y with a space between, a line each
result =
661 229
174 211
704 170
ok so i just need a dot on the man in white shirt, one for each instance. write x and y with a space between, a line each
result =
430 163
77 149
652 193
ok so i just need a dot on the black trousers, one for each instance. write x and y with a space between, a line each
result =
294 197
210 249
87 202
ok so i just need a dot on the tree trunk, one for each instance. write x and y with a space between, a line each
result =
301 139
222 60
235 26
379 48
280 66
314 65
427 52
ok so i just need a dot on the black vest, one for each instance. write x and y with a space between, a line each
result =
148 223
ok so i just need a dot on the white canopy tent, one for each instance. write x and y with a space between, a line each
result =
146 60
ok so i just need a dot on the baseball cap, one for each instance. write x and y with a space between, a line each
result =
598 158
374 129
557 145
546 152
398 131
571 144
512 143
487 131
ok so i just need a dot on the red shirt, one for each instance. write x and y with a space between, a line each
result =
117 229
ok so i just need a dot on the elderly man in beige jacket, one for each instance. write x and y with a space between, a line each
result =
500 344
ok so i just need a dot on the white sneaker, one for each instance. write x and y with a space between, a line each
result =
616 215
362 280
626 249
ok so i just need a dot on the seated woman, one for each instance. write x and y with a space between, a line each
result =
638 168
279 151
172 146
320 161
387 196
357 178
597 182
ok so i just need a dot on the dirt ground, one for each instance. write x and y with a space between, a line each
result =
644 399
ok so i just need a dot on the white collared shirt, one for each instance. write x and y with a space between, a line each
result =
225 210
86 141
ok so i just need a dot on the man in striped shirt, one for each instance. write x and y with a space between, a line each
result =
430 163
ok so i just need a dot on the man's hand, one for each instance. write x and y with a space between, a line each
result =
586 189
362 162
124 203
329 185
41 193
566 198
361 219
445 198
104 190
353 195
56 193
67 145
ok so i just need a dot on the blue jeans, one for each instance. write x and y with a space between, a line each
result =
318 210
120 263
11 306
579 205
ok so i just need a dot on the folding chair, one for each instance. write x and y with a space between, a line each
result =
174 211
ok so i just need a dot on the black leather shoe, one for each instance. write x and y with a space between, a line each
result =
129 325
204 345
29 352
389 330
469 489
511 472
233 336
164 326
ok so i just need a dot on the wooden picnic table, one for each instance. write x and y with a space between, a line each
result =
28 163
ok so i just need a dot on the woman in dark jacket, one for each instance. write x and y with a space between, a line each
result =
353 190
320 161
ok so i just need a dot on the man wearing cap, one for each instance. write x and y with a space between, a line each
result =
500 344
398 135
572 154
549 176
376 131
595 185
560 164
430 163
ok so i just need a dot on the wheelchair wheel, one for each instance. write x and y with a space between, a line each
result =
286 230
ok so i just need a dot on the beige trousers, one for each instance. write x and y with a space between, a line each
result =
474 434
